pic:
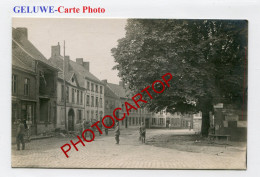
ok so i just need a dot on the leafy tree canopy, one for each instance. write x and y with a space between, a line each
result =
205 57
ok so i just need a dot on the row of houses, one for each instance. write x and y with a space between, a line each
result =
52 93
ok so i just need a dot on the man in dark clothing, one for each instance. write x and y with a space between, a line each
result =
142 132
117 133
20 135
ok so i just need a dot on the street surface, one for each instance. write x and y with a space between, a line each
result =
130 153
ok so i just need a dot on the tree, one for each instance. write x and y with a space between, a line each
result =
206 58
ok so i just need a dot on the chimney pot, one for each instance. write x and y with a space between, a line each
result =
79 61
55 50
21 33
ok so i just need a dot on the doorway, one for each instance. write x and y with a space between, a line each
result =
71 116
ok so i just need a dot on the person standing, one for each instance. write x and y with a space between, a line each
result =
117 133
20 135
143 132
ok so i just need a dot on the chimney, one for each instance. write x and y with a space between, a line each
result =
55 50
20 33
104 81
79 61
67 61
86 65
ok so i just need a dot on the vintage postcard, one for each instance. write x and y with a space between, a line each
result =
129 93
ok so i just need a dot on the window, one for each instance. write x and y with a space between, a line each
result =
73 95
101 89
79 116
153 121
14 83
77 96
88 100
81 97
107 104
97 88
100 102
92 101
67 94
92 87
62 92
88 85
96 114
92 114
96 101
26 86
88 118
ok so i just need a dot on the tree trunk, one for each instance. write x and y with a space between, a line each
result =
205 123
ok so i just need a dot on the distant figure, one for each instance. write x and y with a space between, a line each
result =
20 135
142 132
189 125
117 133
169 126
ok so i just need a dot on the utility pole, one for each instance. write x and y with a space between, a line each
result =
65 89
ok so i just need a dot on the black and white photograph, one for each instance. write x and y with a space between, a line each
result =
129 93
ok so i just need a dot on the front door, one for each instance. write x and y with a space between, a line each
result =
71 120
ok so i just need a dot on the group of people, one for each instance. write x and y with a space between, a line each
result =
87 125
22 128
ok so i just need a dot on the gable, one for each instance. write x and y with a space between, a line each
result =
72 79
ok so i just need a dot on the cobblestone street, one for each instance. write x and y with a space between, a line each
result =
104 153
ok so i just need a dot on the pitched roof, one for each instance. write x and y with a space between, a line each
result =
80 72
18 63
68 75
119 90
109 92
24 44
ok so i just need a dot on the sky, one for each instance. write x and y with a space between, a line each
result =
90 39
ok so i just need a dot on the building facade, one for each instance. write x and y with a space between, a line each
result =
84 93
33 85
116 96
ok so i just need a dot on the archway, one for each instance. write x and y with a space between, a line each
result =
71 116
